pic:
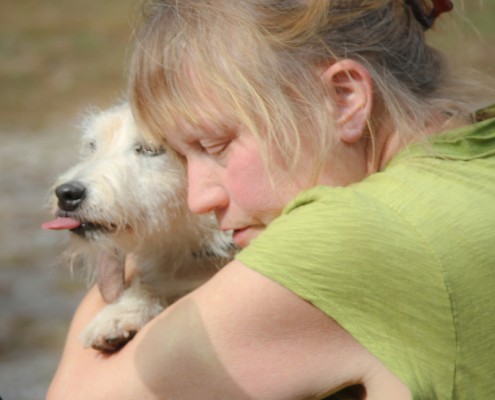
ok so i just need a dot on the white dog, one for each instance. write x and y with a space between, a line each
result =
127 200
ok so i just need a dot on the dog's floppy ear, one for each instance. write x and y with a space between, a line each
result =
110 275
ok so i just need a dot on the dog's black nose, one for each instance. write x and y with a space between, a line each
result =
70 195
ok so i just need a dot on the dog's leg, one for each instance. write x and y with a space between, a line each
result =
110 275
118 322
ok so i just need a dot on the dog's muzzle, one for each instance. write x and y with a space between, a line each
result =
70 198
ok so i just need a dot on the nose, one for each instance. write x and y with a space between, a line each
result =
70 195
205 191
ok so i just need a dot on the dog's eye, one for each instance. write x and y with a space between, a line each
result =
148 151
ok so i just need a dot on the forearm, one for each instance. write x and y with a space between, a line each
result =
87 373
170 358
76 376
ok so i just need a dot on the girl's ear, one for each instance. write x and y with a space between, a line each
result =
350 86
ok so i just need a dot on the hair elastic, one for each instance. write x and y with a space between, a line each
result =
427 20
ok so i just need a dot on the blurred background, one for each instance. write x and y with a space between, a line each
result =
57 58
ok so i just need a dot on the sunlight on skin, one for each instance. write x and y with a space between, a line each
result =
160 348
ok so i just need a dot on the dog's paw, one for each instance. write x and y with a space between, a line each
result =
117 324
111 345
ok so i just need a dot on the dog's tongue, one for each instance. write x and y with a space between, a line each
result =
61 223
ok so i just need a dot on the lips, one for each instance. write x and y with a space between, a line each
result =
240 237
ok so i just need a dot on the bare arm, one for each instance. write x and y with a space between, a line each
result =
240 336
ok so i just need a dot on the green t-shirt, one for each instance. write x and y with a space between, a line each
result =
404 261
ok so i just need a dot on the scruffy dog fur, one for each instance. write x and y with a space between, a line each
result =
126 200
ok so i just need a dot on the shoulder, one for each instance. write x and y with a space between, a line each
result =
331 242
340 225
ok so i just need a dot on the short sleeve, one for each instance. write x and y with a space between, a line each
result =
369 269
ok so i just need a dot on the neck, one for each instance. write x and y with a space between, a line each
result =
381 149
386 143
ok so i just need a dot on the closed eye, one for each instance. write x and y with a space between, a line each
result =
148 151
216 149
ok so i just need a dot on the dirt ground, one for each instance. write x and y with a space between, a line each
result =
56 58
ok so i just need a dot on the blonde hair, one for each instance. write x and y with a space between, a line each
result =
256 62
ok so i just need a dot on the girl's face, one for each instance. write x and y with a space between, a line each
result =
227 176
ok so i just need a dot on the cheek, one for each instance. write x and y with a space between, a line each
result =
254 196
249 184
